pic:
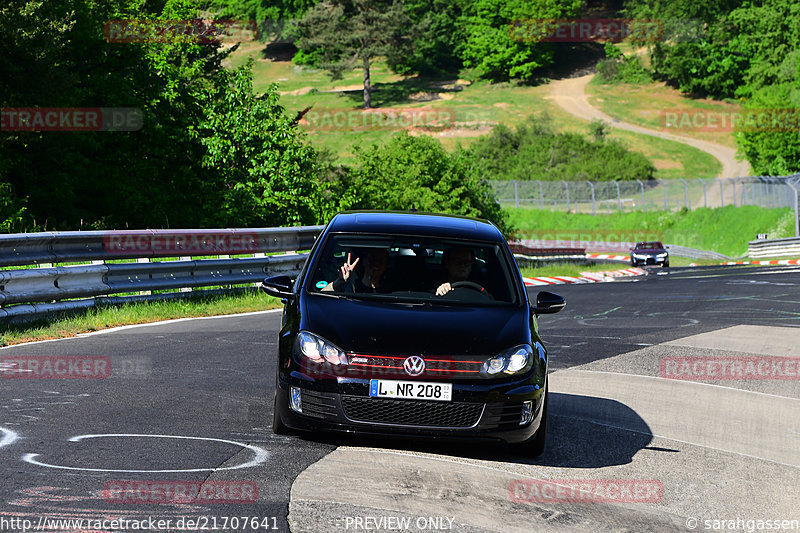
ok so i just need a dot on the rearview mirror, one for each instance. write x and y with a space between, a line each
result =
278 286
548 303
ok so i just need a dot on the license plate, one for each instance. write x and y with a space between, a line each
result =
411 390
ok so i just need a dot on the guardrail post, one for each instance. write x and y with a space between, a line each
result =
516 194
619 198
705 197
796 214
644 206
721 193
566 188
594 210
733 182
541 195
664 184
685 194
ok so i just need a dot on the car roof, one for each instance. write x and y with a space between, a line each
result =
650 243
415 223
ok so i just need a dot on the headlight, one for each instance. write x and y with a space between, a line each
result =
513 361
319 350
662 255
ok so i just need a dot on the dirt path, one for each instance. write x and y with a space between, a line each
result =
570 94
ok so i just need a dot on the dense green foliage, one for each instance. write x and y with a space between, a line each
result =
416 171
498 52
534 151
209 154
737 48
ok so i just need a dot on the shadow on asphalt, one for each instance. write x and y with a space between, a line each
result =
583 432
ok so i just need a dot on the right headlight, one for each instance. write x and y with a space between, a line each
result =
318 349
514 361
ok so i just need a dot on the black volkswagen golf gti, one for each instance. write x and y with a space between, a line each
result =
415 324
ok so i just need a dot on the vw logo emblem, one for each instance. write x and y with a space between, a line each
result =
414 365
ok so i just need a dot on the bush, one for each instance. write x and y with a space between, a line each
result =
417 171
534 151
617 68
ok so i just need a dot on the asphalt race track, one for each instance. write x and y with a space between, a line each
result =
191 400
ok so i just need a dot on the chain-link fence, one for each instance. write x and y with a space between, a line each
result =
651 195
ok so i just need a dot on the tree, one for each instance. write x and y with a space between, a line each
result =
495 49
262 171
418 171
351 33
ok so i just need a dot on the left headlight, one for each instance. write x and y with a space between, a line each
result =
514 361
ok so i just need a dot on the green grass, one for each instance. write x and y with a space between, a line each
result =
726 230
647 104
98 318
568 269
476 106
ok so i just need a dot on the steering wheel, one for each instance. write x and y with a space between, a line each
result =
467 285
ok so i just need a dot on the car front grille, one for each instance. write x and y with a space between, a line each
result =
370 365
412 412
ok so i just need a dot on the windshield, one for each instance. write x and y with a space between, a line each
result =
649 246
413 269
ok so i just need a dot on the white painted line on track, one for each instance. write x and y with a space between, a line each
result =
261 455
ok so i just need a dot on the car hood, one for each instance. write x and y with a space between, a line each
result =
650 251
371 327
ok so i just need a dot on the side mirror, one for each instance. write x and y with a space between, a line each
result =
278 286
548 303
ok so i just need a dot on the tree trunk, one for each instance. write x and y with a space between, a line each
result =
367 86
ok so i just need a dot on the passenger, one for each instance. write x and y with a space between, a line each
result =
457 263
367 278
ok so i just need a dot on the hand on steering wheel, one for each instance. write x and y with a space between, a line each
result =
467 285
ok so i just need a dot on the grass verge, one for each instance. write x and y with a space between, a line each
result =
726 230
70 325
569 269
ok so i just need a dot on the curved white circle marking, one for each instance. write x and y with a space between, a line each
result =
9 437
261 455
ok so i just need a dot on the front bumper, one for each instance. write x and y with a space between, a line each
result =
652 260
485 410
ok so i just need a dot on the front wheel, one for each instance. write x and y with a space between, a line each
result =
278 427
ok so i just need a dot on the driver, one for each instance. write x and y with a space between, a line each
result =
457 262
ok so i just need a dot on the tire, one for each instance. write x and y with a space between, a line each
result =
666 264
534 445
278 427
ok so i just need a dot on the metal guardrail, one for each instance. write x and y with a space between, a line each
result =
774 248
67 246
30 292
